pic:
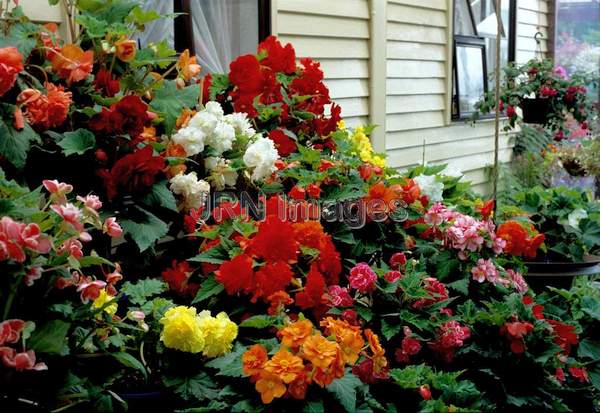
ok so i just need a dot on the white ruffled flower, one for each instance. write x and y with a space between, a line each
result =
193 190
575 216
222 137
452 170
191 139
214 108
204 120
221 173
261 155
241 124
431 187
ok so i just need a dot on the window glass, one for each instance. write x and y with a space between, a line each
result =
463 24
469 74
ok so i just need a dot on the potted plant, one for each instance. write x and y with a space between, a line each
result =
544 93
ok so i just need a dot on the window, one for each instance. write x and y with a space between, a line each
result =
217 31
475 33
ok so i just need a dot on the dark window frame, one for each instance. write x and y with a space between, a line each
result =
184 34
471 41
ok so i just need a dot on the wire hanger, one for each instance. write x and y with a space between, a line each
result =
538 36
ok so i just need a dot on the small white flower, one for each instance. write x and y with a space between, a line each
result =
452 170
222 137
239 121
431 187
193 190
214 108
191 139
575 216
261 155
221 173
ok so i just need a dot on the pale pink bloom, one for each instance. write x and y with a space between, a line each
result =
71 246
20 361
435 215
362 278
485 270
90 201
58 189
85 236
465 233
339 296
517 280
15 236
70 213
136 315
33 273
112 227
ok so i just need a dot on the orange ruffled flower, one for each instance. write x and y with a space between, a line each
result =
254 359
278 301
184 118
285 365
72 63
187 66
347 336
126 49
270 387
46 111
294 335
11 64
520 241
297 388
320 351
324 376
378 358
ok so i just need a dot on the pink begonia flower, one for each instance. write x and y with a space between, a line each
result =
112 227
90 201
10 331
70 213
485 270
392 276
73 247
397 260
59 190
465 233
90 290
115 276
15 237
362 278
33 273
436 215
20 361
339 296
517 280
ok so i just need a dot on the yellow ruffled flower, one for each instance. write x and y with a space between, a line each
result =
341 125
102 300
182 330
219 331
364 149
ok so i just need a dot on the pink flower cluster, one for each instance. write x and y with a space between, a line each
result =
409 347
10 333
362 278
339 296
436 290
450 336
486 270
90 288
16 237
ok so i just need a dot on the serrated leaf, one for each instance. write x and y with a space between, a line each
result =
389 330
589 349
260 321
209 288
314 407
364 312
161 196
139 292
128 360
169 101
145 230
91 260
344 390
14 144
50 338
461 286
230 364
94 28
76 142
215 255
139 16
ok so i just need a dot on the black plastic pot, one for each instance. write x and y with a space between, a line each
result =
559 274
535 110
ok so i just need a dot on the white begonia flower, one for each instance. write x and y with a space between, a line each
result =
221 173
261 155
214 108
191 139
430 186
452 170
193 190
575 216
241 124
222 137
205 121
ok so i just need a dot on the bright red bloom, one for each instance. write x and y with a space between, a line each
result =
325 165
245 74
270 278
324 126
228 210
560 374
274 241
314 290
546 91
564 335
313 191
278 301
279 58
10 331
511 111
206 82
362 278
425 392
128 116
105 83
449 337
487 209
310 83
515 332
284 144
133 173
237 274
580 373
11 64
177 278
297 193
437 292
397 260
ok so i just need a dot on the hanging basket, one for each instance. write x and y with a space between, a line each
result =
559 274
535 110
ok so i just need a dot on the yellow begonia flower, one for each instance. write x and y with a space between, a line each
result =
102 300
182 330
220 333
341 125
364 149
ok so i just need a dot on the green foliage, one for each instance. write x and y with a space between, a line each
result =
129 361
344 390
76 142
14 144
145 228
209 288
50 337
169 101
230 364
140 291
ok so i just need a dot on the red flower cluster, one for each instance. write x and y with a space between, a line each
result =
177 277
409 347
515 332
16 237
284 144
449 337
11 64
127 116
436 290
132 173
519 240
105 83
564 335
45 110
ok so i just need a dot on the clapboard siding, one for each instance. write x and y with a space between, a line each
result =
41 12
532 17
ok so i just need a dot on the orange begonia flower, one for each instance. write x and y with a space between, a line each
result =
72 63
285 365
270 387
324 376
278 300
126 49
320 351
254 359
187 66
295 334
297 388
378 358
347 336
184 118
